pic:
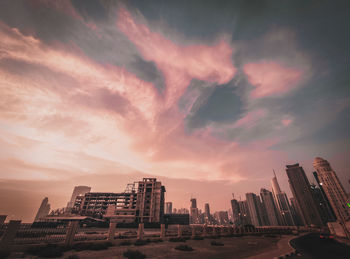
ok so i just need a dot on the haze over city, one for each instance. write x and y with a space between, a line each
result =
207 97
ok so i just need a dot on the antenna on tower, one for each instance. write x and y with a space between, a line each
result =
274 172
233 195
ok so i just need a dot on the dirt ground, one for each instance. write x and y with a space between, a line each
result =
234 247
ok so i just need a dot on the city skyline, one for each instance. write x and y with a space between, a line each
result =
208 98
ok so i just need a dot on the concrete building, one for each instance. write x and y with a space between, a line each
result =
296 213
300 186
43 210
325 205
78 191
255 209
168 208
193 211
244 213
285 217
207 215
324 208
141 201
333 189
221 217
150 201
236 213
270 207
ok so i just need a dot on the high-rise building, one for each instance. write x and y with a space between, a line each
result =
333 189
270 207
325 209
221 217
255 209
285 217
150 200
78 191
300 186
236 213
193 211
207 215
296 213
325 202
43 210
244 213
168 207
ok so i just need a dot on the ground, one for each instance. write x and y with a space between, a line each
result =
234 247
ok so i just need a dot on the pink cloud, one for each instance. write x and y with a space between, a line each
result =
286 122
250 119
178 63
271 78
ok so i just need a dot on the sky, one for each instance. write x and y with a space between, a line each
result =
206 96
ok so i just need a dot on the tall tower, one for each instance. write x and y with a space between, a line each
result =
78 191
300 186
333 189
270 207
207 216
43 210
255 209
193 211
236 213
284 211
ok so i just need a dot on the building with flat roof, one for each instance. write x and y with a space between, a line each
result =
332 187
300 186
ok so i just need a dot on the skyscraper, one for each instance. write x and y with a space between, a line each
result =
193 211
78 191
270 207
207 215
43 210
236 215
333 189
244 213
284 216
168 208
300 186
255 209
326 211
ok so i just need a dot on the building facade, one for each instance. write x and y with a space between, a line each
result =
333 189
255 209
300 186
284 215
78 191
270 207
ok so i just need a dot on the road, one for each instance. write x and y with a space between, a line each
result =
312 247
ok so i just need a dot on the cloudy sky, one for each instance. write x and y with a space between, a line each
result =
208 96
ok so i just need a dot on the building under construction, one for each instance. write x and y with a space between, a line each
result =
142 201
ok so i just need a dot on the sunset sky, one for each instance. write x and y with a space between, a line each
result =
207 96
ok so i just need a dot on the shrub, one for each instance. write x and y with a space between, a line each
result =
156 240
49 251
177 239
4 253
214 243
198 238
141 242
73 257
184 248
125 243
134 254
91 246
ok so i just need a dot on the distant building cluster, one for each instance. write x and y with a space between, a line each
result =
144 202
